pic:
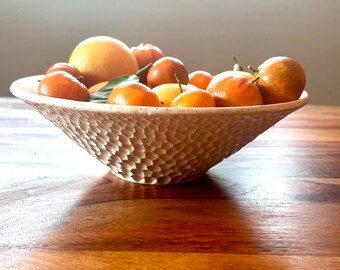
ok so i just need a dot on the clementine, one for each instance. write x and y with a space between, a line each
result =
281 79
200 78
62 66
146 54
235 90
168 91
228 73
133 93
193 98
94 88
165 70
61 84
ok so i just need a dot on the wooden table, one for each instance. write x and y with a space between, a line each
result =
273 205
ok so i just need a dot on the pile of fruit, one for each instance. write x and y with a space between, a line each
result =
105 70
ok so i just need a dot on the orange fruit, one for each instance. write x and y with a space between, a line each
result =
94 88
165 70
61 84
103 58
281 79
200 78
227 73
193 98
133 93
61 66
235 90
168 91
146 54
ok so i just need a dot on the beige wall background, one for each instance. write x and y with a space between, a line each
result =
203 34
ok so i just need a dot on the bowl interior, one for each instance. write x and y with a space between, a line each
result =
26 89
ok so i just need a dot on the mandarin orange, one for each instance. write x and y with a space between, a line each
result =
61 84
228 73
62 66
200 78
165 70
133 93
235 90
94 88
146 54
168 91
193 98
281 79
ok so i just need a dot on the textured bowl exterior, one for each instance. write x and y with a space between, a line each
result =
152 145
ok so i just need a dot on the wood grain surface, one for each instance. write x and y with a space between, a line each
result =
273 205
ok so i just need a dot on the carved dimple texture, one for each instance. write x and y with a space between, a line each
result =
159 149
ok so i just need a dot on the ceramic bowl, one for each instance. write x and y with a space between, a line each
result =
156 145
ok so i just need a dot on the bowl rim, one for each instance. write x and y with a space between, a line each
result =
23 89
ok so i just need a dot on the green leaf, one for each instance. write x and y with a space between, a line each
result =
103 93
144 69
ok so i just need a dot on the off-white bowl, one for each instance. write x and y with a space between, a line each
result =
154 145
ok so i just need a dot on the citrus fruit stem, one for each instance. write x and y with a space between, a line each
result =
179 83
257 77
237 66
251 68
